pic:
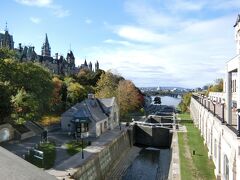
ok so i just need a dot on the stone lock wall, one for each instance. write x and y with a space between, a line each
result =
100 164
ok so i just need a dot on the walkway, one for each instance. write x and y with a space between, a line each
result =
70 165
21 148
174 173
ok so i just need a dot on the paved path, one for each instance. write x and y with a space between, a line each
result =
70 165
174 173
21 148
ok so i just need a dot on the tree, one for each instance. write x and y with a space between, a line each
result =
75 93
107 85
25 107
128 97
217 86
6 53
5 101
184 104
56 100
157 100
32 78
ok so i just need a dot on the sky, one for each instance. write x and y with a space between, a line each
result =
182 43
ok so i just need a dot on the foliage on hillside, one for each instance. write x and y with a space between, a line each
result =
29 91
129 97
184 104
217 86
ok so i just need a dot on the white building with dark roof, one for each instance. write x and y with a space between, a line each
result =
95 116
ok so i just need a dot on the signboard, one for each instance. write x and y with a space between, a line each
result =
38 154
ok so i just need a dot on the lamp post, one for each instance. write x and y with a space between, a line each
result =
79 133
222 104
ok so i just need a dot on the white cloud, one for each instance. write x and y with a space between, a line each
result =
140 34
124 43
35 20
88 21
39 3
56 9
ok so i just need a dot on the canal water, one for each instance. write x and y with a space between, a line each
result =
152 163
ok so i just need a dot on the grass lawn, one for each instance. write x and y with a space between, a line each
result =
49 119
74 147
196 166
49 152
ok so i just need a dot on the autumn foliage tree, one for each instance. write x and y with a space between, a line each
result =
107 85
128 97
56 100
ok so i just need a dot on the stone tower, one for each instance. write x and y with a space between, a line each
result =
237 33
90 66
96 66
6 40
46 49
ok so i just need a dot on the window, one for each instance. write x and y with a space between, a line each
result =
115 117
226 168
105 125
84 127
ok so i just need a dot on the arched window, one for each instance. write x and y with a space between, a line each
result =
226 168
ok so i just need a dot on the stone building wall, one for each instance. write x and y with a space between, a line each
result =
222 143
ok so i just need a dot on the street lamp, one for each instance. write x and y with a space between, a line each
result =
222 104
79 133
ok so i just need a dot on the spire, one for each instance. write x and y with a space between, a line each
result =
46 49
6 27
237 21
85 62
46 39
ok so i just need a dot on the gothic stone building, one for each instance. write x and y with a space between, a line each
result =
56 64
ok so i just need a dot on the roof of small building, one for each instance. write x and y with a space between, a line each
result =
13 167
93 109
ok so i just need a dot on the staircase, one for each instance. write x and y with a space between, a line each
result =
34 127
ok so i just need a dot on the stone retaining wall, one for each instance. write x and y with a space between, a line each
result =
99 164
222 143
6 132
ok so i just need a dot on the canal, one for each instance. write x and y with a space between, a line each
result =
152 163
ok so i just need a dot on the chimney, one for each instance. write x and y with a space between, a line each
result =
20 46
91 96
56 55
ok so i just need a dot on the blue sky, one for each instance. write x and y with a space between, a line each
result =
151 42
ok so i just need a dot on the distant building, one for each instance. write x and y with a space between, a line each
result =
89 67
6 40
56 64
95 115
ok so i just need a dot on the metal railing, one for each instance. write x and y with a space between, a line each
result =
219 111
